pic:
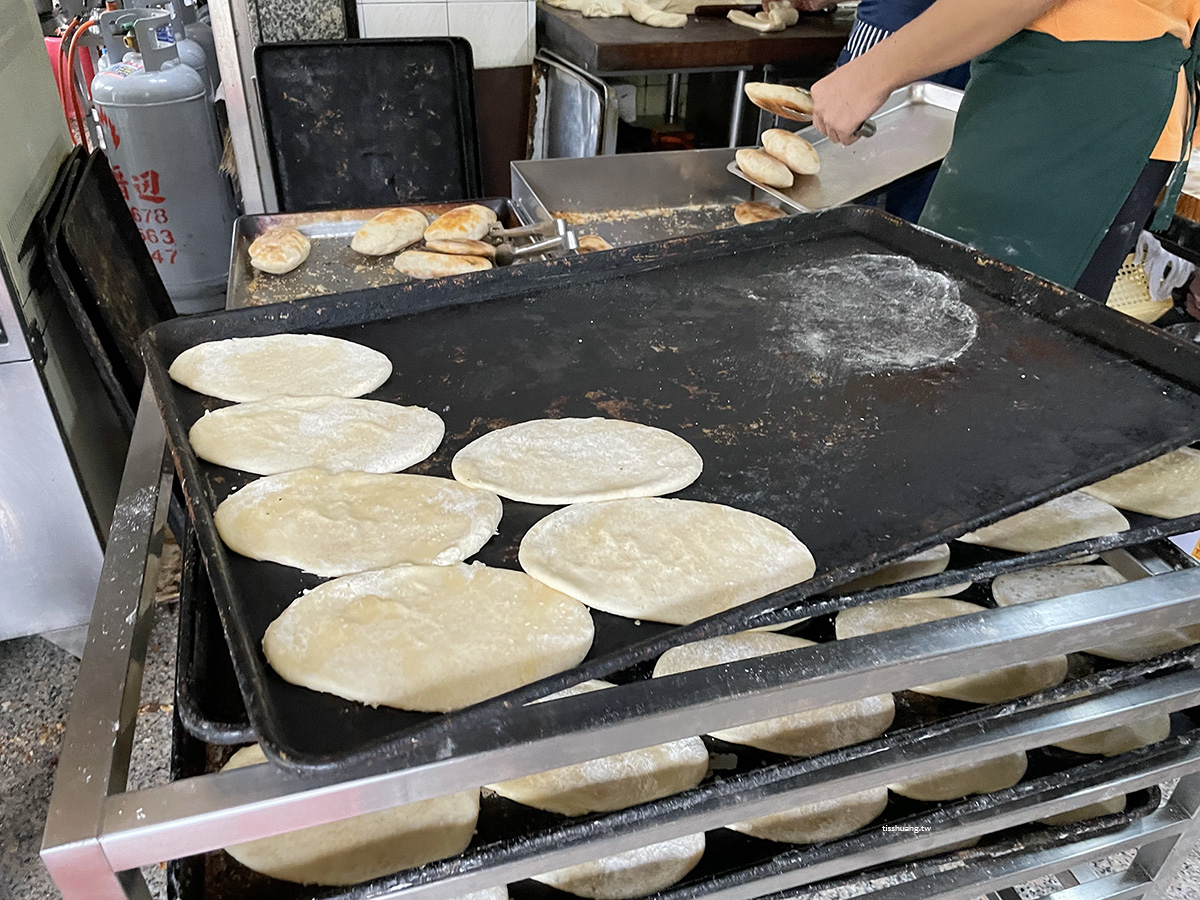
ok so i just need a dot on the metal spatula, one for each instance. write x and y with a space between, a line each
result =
792 103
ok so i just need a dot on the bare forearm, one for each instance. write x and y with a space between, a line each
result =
947 34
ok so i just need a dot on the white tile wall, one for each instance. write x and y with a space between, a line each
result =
402 18
501 32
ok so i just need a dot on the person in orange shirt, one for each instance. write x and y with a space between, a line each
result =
1075 114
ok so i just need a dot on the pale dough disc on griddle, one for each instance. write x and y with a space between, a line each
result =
995 686
363 847
1048 582
800 734
561 461
928 562
994 774
611 782
1167 487
427 638
665 560
1063 520
825 820
336 523
331 433
1089 811
1122 738
281 365
634 873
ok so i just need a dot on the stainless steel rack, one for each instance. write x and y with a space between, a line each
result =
98 833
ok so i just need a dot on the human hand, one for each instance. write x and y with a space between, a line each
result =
844 99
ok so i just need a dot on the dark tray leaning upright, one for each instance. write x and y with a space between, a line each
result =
864 468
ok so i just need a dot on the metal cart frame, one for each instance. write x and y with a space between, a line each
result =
98 833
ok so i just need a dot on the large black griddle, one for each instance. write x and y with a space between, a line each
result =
866 469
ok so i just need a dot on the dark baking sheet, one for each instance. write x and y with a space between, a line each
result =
863 468
332 267
359 123
207 699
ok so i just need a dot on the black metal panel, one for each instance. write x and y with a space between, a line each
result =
864 468
360 123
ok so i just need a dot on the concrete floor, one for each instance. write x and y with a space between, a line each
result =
36 678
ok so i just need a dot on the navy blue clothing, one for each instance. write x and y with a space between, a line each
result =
874 21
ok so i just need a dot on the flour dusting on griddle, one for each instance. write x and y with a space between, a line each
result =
870 314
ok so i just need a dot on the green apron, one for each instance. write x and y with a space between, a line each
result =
1049 141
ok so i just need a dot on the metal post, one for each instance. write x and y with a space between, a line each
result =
673 97
739 107
99 736
1162 860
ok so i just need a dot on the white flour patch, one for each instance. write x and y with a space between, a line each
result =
870 314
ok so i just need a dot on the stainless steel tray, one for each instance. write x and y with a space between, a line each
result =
332 267
914 126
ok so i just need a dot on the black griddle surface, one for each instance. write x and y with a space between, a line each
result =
864 468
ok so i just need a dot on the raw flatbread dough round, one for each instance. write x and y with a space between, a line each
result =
280 249
634 873
764 168
974 778
1063 520
800 734
427 638
611 782
1121 739
928 562
1167 487
389 231
1048 582
463 223
281 365
336 523
1089 811
363 847
331 433
995 686
665 560
813 823
792 150
561 461
750 211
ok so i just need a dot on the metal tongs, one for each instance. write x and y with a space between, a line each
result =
560 237
793 103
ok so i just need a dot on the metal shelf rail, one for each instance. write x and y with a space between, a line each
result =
98 834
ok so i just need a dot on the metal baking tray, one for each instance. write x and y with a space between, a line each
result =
207 700
332 267
634 198
730 858
865 469
357 123
915 127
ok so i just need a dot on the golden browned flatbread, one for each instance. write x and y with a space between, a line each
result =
789 102
278 250
462 248
751 211
465 223
391 230
590 243
792 150
764 168
423 264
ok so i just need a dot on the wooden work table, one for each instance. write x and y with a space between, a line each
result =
621 45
